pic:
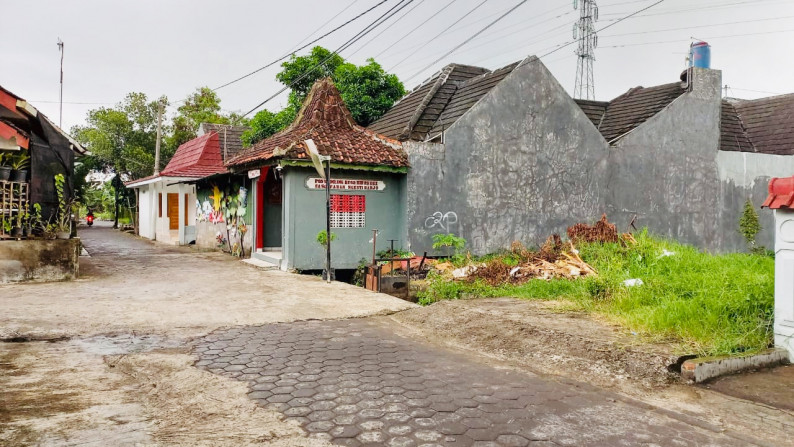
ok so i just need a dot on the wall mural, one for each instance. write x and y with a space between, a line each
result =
227 205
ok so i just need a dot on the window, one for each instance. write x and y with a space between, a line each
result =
348 211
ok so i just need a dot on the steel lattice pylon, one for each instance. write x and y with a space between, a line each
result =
584 31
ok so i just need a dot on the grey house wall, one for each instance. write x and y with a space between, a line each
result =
522 163
304 217
665 170
525 162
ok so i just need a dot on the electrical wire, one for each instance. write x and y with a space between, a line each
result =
324 24
727 36
409 33
741 22
468 39
369 28
450 26
270 64
387 28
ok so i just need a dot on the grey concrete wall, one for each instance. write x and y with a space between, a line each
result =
523 163
39 260
665 170
304 217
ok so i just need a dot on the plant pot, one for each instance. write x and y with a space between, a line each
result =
333 275
5 173
63 234
20 175
16 232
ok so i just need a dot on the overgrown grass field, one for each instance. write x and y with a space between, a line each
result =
706 304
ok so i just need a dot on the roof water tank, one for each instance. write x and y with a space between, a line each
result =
700 55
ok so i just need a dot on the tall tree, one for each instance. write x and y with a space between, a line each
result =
368 90
201 106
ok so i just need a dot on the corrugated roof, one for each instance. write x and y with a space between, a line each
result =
198 158
769 123
436 104
325 119
229 137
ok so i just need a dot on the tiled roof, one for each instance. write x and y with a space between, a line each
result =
624 113
436 104
733 135
593 109
198 157
769 123
325 119
229 137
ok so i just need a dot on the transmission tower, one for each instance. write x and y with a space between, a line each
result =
584 32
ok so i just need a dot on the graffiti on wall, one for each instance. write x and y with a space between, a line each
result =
441 221
226 206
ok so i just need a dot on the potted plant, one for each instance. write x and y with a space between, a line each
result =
5 166
63 222
325 241
20 220
19 167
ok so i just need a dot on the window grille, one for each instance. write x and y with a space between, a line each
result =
348 211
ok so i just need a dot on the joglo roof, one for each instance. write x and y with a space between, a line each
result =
325 119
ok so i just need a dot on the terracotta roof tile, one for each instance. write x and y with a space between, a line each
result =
229 137
733 135
325 119
626 112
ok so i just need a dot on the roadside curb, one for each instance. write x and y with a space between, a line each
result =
702 369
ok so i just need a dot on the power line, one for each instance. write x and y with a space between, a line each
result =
469 39
705 38
326 23
741 22
369 28
439 34
584 85
415 28
270 64
387 28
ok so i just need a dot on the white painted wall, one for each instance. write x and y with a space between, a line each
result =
156 227
784 280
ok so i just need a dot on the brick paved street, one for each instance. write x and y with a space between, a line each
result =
355 382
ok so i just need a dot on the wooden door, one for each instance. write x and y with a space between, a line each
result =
173 211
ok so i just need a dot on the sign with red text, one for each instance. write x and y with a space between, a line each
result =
343 184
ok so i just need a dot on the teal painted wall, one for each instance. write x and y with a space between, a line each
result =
304 217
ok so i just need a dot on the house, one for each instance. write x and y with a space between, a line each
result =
289 204
33 152
506 155
26 133
167 200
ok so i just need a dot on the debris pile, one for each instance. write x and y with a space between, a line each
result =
602 231
555 259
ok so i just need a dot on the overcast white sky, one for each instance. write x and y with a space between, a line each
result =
171 47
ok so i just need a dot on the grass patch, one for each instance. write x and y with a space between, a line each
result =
707 304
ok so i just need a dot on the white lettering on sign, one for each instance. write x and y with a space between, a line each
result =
342 184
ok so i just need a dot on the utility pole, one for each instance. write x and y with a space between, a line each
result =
584 31
159 133
60 100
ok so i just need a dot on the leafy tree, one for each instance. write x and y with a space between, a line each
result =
265 123
201 106
368 91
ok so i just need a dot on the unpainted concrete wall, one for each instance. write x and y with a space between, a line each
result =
525 162
39 260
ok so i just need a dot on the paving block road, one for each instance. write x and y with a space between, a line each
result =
355 382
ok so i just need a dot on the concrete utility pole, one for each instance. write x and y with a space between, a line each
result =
60 100
159 133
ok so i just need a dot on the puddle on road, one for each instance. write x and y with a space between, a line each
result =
126 344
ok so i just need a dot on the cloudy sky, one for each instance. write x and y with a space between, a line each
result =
170 47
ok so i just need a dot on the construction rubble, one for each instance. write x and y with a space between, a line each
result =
554 260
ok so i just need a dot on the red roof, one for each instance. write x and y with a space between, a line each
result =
325 119
781 193
199 157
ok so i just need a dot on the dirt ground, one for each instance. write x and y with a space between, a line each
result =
543 337
118 370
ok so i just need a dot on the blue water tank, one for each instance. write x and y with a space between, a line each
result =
700 55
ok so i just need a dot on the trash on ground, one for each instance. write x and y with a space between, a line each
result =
633 282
